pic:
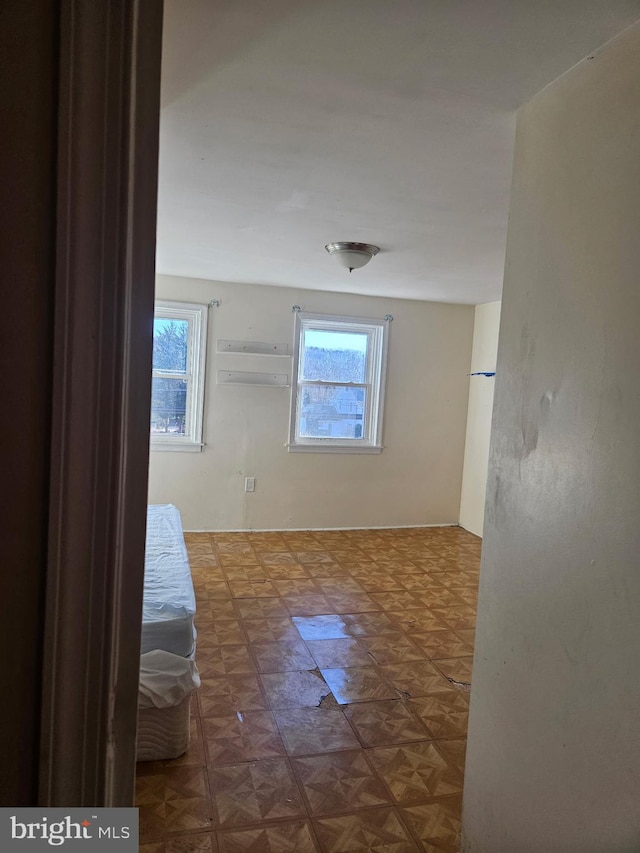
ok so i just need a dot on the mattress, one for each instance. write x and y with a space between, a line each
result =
163 733
169 603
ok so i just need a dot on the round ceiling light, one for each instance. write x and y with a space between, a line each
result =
352 256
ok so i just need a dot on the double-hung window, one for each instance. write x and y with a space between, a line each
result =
338 387
177 394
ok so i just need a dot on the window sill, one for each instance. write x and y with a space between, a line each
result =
182 446
333 448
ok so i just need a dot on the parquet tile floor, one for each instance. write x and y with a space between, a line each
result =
333 710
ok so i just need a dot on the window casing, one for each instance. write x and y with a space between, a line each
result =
177 395
338 384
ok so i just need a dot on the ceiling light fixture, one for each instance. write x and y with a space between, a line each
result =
352 256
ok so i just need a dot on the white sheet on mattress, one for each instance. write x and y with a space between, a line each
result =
169 601
166 679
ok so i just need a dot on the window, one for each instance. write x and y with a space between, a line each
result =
338 388
177 393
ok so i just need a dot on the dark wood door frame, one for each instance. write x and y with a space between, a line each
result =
105 259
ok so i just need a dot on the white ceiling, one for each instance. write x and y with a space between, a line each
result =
288 124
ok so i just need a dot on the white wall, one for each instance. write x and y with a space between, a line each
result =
415 480
476 452
554 740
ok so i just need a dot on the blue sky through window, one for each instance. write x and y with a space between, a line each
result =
335 340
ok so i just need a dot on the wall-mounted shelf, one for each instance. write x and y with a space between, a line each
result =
244 377
252 348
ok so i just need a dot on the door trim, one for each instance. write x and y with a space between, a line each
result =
109 104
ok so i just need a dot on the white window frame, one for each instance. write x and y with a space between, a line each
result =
375 379
196 317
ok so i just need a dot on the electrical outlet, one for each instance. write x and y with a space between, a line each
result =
250 484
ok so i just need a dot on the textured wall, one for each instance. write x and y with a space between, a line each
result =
554 740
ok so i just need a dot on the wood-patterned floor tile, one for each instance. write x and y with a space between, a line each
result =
446 715
452 578
223 632
310 730
340 782
353 603
253 589
457 670
418 678
170 783
312 556
256 791
418 620
457 617
303 689
261 544
397 562
436 824
385 722
339 586
307 605
357 684
220 696
267 540
294 837
216 588
327 570
442 644
432 563
339 653
237 545
196 548
286 572
359 564
335 600
418 771
218 608
444 597
321 627
381 582
239 560
255 608
245 736
421 581
216 661
370 624
297 586
392 648
285 656
299 540
245 573
270 630
377 829
197 536
194 843
467 634
157 820
203 560
151 819
218 536
467 594
397 600
278 558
